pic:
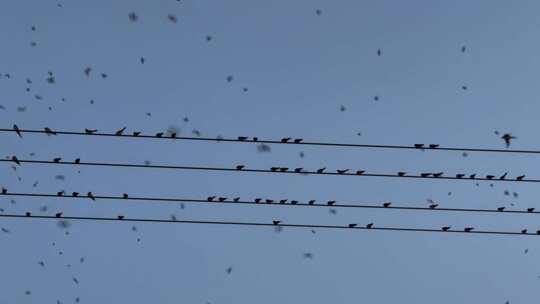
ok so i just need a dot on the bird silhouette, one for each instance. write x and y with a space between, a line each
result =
425 174
173 135
433 206
57 159
283 201
386 205
75 194
433 146
342 171
255 138
419 146
120 132
90 131
369 226
298 140
490 176
4 190
91 196
360 172
530 209
210 198
294 202
15 160
60 193
445 228
222 199
503 176
472 176
120 217
283 169
311 202
508 139
160 134
59 214
242 138
236 199
524 231
537 231
298 170
468 229
27 214
459 175
285 139
463 48
274 169
520 178
352 225
379 52
48 131
136 134
501 209
401 173
464 88
321 170
87 71
331 203
77 161
17 130
258 200
276 222
269 201
438 174
125 196
240 167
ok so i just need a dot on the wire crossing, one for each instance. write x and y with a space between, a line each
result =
267 202
284 141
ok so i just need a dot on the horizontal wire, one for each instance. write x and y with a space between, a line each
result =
125 219
264 203
256 141
200 168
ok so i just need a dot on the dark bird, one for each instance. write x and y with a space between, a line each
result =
59 214
520 178
352 225
401 173
222 199
298 140
331 203
530 209
57 159
172 18
460 175
16 160
136 133
269 201
160 134
501 209
433 206
48 131
419 146
4 190
17 130
120 132
298 170
311 202
318 12
242 138
379 52
90 131
294 202
103 75
255 138
173 135
27 214
438 174
229 270
537 231
342 171
434 146
386 205
283 201
274 169
472 176
87 71
236 199
120 217
142 60
75 194
321 170
507 139
503 176
240 167
60 193
490 176
285 139
210 198
425 174
463 48
369 226
464 88
78 161
445 228
258 200
91 196
360 172
524 231
276 222
283 169
125 196
468 229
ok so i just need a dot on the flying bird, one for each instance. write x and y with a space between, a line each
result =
507 139
17 130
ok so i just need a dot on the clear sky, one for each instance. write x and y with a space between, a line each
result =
299 69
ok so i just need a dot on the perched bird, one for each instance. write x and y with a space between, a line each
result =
503 176
490 176
468 229
419 146
537 231
48 131
501 209
173 135
120 132
321 170
17 130
125 196
331 203
507 139
91 196
285 139
433 206
276 222
472 176
60 193
28 214
120 217
342 171
530 209
75 194
57 159
90 131
269 201
283 201
425 174
298 170
258 200
520 178
77 161
255 138
283 169
294 202
59 214
524 231
160 134
433 146
445 228
222 199
311 202
459 175
210 198
386 205
4 190
438 174
240 167
298 140
352 225
360 172
242 138
15 160
369 226
274 169
136 134
401 173
236 199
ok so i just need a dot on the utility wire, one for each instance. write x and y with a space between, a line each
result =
256 140
264 202
260 224
276 171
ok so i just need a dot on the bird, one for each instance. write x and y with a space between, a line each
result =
60 193
120 132
77 161
501 209
283 201
524 231
160 134
342 171
459 175
285 139
507 139
48 131
298 170
15 160
311 202
240 167
228 270
425 174
330 203
274 169
255 138
136 134
438 174
379 52
464 88
75 194
520 178
236 199
125 196
472 176
401 173
503 176
530 209
463 48
59 214
419 146
386 205
17 130
445 228
258 200
360 172
490 176
222 199
120 217
27 214
321 170
57 159
298 140
173 135
91 196
369 226
90 131
294 202
433 146
269 201
433 206
210 198
352 225
283 169
4 190
142 60
537 231
468 229
87 71
276 222
242 138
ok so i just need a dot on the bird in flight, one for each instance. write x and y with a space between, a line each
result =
508 139
379 52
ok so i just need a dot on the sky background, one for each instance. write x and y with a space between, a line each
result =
300 68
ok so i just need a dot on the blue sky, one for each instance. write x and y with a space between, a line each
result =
299 68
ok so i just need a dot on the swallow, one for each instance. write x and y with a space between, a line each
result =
369 226
285 139
419 146
472 176
87 71
75 194
459 175
360 172
276 222
294 202
269 201
77 161
352 225
28 214
59 214
401 173
120 217
490 177
298 170
311 202
379 52
90 131
537 231
283 201
258 200
125 196
48 131
255 138
433 146
210 198
57 159
282 169
445 228
524 231
425 174
503 176
236 199
136 134
501 209
468 229
274 169
520 178
386 205
15 160
60 193
4 190
240 167
242 138
433 206
321 170
438 174
91 196
530 209
120 132
331 203
507 139
342 171
17 130
298 140
173 135
160 134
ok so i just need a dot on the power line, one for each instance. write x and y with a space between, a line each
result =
279 170
260 224
256 140
264 202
